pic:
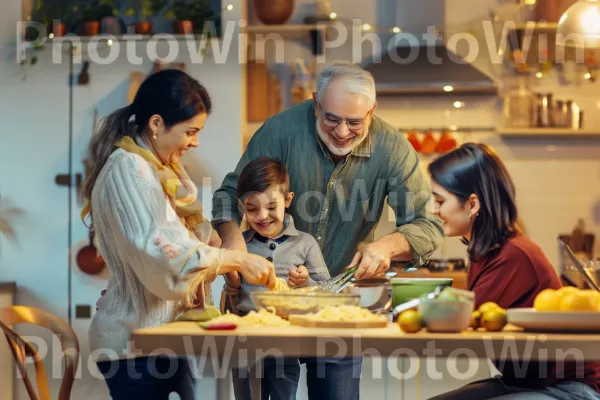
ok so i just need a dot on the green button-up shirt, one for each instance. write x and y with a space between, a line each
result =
340 205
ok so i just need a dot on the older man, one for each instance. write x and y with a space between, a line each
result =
343 162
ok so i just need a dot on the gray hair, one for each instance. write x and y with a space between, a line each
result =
358 81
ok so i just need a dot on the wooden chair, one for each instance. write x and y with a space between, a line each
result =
10 316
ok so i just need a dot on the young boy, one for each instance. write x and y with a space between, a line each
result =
264 191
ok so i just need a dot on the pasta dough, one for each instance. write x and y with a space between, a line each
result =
253 318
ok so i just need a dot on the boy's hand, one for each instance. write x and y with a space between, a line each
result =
298 277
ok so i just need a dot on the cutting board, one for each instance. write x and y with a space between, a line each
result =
300 320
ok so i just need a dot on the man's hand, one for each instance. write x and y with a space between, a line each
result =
373 259
298 277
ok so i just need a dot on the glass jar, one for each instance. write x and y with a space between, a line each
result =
520 105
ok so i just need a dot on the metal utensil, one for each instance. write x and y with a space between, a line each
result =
399 309
587 275
335 284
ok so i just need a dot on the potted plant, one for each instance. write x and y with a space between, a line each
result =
189 16
93 14
182 15
150 8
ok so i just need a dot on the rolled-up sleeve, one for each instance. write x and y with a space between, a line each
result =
225 204
409 195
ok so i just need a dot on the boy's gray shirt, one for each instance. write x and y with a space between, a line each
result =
287 251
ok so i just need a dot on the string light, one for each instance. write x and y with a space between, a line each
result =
229 7
333 15
366 27
448 88
396 29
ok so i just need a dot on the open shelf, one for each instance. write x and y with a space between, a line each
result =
564 133
288 31
538 26
286 28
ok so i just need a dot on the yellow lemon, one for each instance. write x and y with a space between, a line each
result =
568 289
578 302
488 306
410 321
475 319
494 320
594 295
548 300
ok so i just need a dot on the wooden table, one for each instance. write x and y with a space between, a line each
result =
251 343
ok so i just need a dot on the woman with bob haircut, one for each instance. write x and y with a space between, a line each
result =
475 200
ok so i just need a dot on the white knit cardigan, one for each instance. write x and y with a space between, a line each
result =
149 252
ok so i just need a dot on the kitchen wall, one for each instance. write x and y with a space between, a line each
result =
35 147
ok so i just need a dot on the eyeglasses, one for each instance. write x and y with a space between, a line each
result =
332 121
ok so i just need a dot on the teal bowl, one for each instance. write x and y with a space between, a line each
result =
405 289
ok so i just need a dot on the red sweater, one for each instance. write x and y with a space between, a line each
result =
511 278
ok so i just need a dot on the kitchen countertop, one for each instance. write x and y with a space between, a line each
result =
245 345
189 338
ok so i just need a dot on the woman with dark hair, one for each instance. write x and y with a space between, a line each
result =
475 200
152 233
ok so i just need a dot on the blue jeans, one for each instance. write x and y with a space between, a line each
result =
152 378
494 388
279 379
333 378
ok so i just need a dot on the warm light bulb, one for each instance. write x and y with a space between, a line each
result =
587 75
366 27
448 88
539 75
459 104
229 7
109 42
333 15
51 36
396 30
580 24
590 21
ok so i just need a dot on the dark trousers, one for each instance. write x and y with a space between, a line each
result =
333 378
278 379
151 378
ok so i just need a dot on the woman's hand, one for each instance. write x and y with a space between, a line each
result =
258 271
255 269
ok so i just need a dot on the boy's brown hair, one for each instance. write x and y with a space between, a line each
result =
260 174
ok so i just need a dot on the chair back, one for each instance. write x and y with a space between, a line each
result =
21 349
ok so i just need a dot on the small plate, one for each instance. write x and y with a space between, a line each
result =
531 320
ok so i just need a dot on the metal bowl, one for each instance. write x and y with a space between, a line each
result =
289 303
375 294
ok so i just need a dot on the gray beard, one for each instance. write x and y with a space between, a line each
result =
338 151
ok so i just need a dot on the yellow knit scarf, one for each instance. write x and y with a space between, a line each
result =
175 181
